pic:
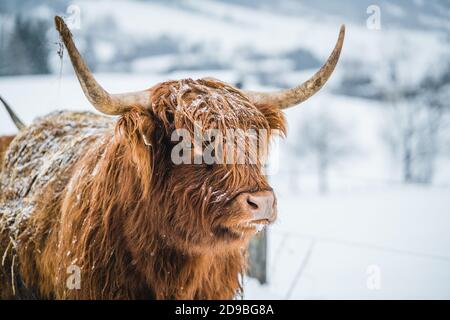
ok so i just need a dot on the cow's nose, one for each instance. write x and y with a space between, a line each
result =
260 206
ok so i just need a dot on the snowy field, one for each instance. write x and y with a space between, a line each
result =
370 237
330 247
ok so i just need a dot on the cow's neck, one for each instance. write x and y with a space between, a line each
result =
177 274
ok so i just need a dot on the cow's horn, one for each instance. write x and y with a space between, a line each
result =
287 98
112 104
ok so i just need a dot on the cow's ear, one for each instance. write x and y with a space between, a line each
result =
146 128
274 116
136 131
137 127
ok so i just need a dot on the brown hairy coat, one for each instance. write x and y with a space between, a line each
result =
4 144
85 190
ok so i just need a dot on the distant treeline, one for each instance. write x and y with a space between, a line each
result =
24 48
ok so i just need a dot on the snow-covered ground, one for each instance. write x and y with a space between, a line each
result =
335 246
370 237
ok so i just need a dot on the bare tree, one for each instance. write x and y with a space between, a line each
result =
26 50
416 126
326 140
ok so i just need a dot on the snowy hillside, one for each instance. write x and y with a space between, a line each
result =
260 40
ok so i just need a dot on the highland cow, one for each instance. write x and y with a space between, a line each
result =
100 198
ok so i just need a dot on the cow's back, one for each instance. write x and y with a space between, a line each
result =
37 167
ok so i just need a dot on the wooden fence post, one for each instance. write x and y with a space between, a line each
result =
258 257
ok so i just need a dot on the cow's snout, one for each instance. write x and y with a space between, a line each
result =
259 206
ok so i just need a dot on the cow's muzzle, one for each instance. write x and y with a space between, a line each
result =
259 207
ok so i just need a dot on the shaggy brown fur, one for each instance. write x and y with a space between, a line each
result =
4 144
85 190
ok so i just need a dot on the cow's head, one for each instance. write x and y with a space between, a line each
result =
205 204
